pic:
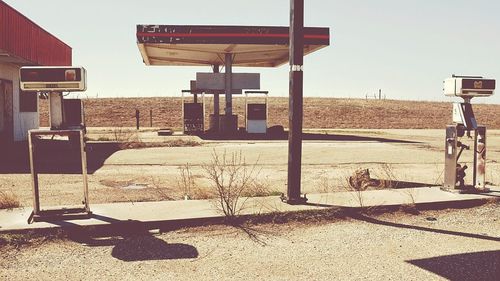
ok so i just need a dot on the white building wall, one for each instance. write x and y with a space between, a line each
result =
23 121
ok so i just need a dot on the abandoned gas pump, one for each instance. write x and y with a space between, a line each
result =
193 114
465 125
256 113
66 118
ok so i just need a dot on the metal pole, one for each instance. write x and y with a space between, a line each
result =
137 119
216 105
83 155
34 174
150 118
228 90
295 102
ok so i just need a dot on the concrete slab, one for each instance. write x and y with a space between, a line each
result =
202 210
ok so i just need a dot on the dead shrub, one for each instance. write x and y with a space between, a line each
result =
259 188
231 179
386 177
185 181
127 139
411 207
356 183
8 201
200 193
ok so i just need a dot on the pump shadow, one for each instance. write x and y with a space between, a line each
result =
130 239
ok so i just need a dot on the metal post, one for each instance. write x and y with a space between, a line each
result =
56 110
228 92
267 111
137 119
216 104
34 175
450 163
150 118
83 156
479 176
183 119
295 102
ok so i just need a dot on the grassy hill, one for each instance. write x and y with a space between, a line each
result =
318 113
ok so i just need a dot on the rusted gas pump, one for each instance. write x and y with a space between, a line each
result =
464 123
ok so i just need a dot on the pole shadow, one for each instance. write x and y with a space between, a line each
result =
468 266
305 136
372 220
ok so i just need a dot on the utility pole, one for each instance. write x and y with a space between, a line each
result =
295 102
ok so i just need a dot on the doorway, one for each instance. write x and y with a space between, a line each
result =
6 112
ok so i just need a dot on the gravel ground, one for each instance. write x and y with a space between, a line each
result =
435 245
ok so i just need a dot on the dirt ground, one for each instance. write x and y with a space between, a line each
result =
434 245
318 113
412 157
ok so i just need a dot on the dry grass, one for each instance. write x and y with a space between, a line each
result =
318 113
411 207
129 139
386 178
186 181
9 200
137 144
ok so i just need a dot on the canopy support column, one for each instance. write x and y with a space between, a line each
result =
216 104
230 122
229 84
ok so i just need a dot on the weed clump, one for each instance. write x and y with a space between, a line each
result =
8 201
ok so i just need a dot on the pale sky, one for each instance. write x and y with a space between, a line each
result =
404 47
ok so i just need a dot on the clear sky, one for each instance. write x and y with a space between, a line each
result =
404 47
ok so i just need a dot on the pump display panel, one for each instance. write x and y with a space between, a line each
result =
53 79
469 87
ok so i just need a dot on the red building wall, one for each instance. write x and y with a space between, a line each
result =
22 38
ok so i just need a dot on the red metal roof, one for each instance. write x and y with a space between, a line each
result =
196 45
22 41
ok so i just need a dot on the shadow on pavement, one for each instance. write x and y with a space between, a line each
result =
365 218
396 184
63 157
131 240
56 157
468 266
305 136
143 248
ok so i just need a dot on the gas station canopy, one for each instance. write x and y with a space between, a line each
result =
252 46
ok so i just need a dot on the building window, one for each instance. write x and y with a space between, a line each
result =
28 102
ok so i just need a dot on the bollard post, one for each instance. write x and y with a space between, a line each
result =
151 118
137 118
